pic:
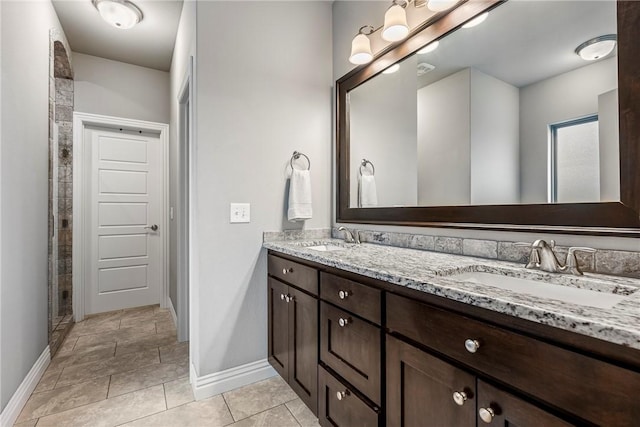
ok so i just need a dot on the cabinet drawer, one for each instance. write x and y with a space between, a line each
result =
594 390
352 349
305 278
355 297
340 407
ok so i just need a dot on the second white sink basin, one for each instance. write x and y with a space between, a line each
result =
326 248
573 295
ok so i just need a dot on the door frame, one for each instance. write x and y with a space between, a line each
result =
80 222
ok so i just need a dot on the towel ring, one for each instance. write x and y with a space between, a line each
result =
296 155
364 163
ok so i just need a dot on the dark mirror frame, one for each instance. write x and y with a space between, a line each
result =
610 218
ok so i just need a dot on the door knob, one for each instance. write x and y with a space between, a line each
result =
153 227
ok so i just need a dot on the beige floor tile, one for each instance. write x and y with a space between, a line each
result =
103 317
67 346
136 322
114 365
145 343
178 392
146 377
178 351
163 326
258 397
48 380
208 412
30 423
110 412
86 355
83 328
115 336
278 416
61 399
302 413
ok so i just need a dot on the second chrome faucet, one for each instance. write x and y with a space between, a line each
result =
351 236
543 257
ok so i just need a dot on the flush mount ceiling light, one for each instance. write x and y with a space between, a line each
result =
429 48
392 69
440 5
476 21
119 13
361 46
597 48
395 23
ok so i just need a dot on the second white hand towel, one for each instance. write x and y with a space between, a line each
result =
367 192
300 196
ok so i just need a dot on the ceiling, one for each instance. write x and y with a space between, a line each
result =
148 44
523 41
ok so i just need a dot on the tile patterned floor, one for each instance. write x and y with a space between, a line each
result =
126 368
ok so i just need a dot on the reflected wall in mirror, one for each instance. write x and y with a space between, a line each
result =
502 113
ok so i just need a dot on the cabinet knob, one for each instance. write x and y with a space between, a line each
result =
459 397
486 414
282 297
343 294
471 345
342 394
287 270
288 298
343 322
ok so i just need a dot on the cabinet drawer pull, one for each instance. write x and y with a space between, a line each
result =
342 394
287 270
288 298
343 294
471 345
459 397
486 414
282 297
344 322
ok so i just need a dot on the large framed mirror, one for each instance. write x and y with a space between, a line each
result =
502 126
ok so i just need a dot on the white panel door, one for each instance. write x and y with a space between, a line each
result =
123 199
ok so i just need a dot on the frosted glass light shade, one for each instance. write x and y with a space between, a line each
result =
429 48
392 69
476 21
118 13
360 50
597 48
440 5
395 24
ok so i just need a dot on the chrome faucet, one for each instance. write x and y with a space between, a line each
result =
351 236
542 257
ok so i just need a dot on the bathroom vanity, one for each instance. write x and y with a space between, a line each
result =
372 335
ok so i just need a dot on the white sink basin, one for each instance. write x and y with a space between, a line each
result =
326 248
536 288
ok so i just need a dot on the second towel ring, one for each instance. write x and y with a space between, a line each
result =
296 155
364 164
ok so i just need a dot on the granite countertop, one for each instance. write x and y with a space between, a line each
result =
434 273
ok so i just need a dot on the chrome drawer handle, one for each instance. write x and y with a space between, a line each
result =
459 397
471 345
486 414
343 322
287 270
343 294
342 394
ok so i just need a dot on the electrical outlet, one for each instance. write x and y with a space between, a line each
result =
240 212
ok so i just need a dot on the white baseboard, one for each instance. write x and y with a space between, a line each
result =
229 379
11 412
173 313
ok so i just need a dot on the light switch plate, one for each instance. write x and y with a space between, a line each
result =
240 212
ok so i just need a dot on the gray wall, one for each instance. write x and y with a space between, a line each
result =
24 137
113 88
560 98
260 97
383 126
609 137
348 16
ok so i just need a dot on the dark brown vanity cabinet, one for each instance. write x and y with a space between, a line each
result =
293 328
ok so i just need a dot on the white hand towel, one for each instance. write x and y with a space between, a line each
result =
367 193
300 196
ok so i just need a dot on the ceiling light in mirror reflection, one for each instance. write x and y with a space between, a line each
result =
429 48
476 21
120 14
392 69
597 48
441 5
395 24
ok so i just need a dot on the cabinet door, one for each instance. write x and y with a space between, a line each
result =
303 346
278 327
499 408
421 389
341 407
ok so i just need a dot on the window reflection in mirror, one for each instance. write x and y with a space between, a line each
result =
483 118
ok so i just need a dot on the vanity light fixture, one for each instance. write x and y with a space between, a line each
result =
119 13
395 23
440 5
392 69
361 46
597 48
476 21
429 48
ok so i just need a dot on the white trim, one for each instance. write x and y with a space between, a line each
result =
173 313
11 412
229 379
80 121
